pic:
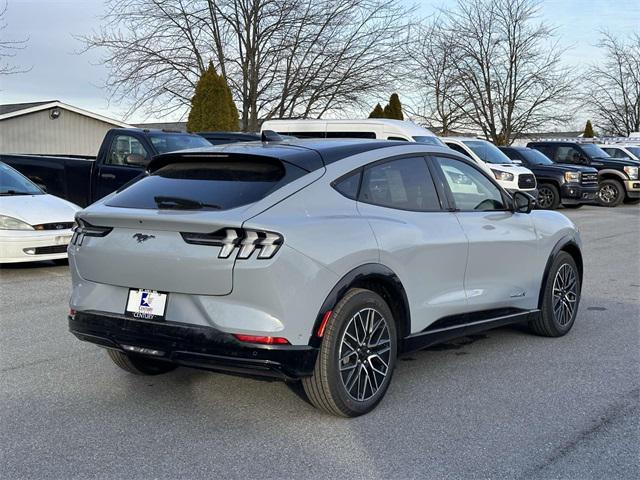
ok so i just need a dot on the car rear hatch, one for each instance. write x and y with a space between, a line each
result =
164 232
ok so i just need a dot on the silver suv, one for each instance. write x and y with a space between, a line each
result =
318 261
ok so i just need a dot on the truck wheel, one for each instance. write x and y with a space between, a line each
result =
610 193
560 299
548 197
139 365
357 356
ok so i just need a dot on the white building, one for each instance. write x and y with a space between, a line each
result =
52 128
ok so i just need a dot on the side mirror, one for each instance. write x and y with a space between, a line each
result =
136 160
523 202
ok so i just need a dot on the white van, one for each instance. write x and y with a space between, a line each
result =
509 174
380 128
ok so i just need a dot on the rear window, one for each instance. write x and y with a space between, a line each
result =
216 185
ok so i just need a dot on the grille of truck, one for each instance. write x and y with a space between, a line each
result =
590 179
527 180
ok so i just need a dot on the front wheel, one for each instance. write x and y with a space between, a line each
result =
610 193
560 298
548 197
139 365
357 356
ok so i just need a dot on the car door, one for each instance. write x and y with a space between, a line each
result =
114 171
502 244
422 242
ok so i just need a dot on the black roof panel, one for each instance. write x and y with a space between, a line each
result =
307 154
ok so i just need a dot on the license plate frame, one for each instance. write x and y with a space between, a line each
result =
146 304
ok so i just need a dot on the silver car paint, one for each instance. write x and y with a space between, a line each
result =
326 236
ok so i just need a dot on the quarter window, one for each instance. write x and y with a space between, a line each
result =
471 190
404 184
123 146
348 186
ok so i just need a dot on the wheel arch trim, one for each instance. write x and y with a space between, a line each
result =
358 277
566 244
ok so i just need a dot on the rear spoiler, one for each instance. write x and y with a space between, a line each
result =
305 159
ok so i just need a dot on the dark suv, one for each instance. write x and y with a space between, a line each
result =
558 184
617 177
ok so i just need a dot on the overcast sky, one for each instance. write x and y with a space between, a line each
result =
59 72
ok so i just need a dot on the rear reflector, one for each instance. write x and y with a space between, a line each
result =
262 340
323 323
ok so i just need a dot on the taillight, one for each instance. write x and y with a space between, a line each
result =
243 240
85 229
262 340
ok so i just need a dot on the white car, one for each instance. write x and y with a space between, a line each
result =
371 128
509 174
622 151
34 226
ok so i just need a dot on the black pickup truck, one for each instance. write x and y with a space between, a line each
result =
123 155
617 177
558 184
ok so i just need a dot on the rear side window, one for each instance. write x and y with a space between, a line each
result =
215 185
348 186
404 184
351 135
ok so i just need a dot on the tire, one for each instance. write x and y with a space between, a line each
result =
574 205
610 193
350 391
548 197
561 286
632 201
139 365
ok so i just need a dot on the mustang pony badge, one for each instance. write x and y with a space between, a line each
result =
141 237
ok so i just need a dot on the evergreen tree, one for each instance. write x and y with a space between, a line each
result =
588 130
377 112
387 113
212 106
395 107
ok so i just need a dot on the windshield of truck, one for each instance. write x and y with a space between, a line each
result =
14 183
487 152
635 151
172 142
535 157
594 151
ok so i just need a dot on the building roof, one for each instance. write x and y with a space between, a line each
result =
17 109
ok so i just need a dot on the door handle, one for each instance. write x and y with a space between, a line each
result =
108 176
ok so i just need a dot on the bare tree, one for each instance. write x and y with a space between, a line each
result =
612 89
281 58
435 89
8 48
509 70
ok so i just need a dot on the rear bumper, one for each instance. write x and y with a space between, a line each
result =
195 346
573 194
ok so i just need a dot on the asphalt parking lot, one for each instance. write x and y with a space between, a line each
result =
505 404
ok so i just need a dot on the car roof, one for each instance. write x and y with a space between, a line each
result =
308 154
